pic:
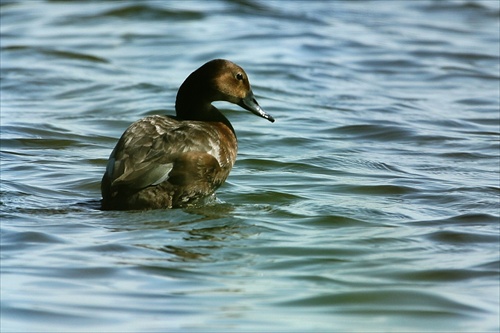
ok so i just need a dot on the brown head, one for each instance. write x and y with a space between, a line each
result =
216 80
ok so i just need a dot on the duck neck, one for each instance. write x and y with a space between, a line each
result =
192 104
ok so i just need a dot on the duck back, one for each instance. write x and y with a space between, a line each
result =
162 162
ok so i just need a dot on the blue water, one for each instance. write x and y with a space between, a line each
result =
371 204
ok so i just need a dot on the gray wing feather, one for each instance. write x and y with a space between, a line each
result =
147 150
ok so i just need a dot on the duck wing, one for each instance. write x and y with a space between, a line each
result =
152 147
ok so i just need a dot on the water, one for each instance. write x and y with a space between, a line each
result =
371 204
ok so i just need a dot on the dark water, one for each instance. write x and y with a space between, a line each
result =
372 204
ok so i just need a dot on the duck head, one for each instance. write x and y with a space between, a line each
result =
216 80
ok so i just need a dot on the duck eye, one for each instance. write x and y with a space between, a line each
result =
239 76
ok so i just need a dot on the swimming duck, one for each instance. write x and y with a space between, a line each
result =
177 161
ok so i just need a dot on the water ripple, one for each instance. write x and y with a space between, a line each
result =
371 202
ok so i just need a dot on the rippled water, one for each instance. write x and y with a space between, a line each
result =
372 204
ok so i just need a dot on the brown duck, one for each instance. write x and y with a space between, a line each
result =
177 161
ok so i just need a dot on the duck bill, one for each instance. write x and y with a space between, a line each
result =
250 103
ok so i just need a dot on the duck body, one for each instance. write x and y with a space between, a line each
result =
178 161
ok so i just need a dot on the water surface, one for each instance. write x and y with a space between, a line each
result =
371 204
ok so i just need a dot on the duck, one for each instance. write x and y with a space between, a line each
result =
164 162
